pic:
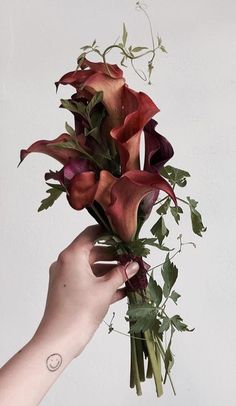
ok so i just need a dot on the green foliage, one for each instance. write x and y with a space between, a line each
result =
169 273
177 322
159 230
164 207
165 325
136 247
155 291
196 218
175 211
175 296
174 175
54 192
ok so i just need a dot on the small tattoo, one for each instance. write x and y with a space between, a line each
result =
54 362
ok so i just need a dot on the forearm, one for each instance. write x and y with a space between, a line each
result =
28 375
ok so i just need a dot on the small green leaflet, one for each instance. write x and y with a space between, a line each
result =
165 325
175 212
54 193
174 296
138 49
169 360
97 98
140 310
70 130
164 207
174 175
74 107
124 35
169 273
196 218
142 317
159 230
155 291
177 322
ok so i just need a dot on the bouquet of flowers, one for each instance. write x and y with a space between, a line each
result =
101 172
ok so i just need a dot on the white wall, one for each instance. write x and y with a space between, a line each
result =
194 85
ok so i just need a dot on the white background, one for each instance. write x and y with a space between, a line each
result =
194 86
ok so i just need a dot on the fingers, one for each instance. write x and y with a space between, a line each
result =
99 253
101 269
120 274
85 240
119 294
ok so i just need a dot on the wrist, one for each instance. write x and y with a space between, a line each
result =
72 338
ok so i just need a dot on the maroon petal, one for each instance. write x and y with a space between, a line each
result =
158 150
48 147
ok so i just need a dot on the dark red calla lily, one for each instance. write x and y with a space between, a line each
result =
119 197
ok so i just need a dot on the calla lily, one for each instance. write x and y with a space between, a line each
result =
128 111
158 150
119 197
48 147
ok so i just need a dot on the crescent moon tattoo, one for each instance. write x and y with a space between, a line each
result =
53 362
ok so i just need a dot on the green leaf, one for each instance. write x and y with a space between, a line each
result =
163 49
177 322
70 130
174 296
124 35
159 41
155 291
165 325
143 324
123 60
74 107
169 359
56 186
140 310
164 207
97 98
54 193
169 273
196 218
138 49
85 47
175 212
159 230
175 175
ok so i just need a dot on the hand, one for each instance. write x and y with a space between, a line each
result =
81 290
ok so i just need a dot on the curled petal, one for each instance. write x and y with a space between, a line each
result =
158 150
47 147
109 69
82 189
67 172
126 195
78 77
137 108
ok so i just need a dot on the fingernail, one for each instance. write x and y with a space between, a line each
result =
132 268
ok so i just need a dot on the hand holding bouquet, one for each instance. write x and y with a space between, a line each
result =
101 172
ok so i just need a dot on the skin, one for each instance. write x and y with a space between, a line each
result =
80 292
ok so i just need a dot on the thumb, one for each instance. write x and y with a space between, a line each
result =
121 274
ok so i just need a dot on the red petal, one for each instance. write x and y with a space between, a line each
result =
101 67
126 195
158 150
47 147
78 77
82 190
137 109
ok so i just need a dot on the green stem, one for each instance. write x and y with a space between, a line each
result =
156 366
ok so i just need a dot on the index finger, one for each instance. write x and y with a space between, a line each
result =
85 240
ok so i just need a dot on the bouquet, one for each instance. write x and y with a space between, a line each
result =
101 172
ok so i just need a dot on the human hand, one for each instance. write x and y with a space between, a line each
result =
81 290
